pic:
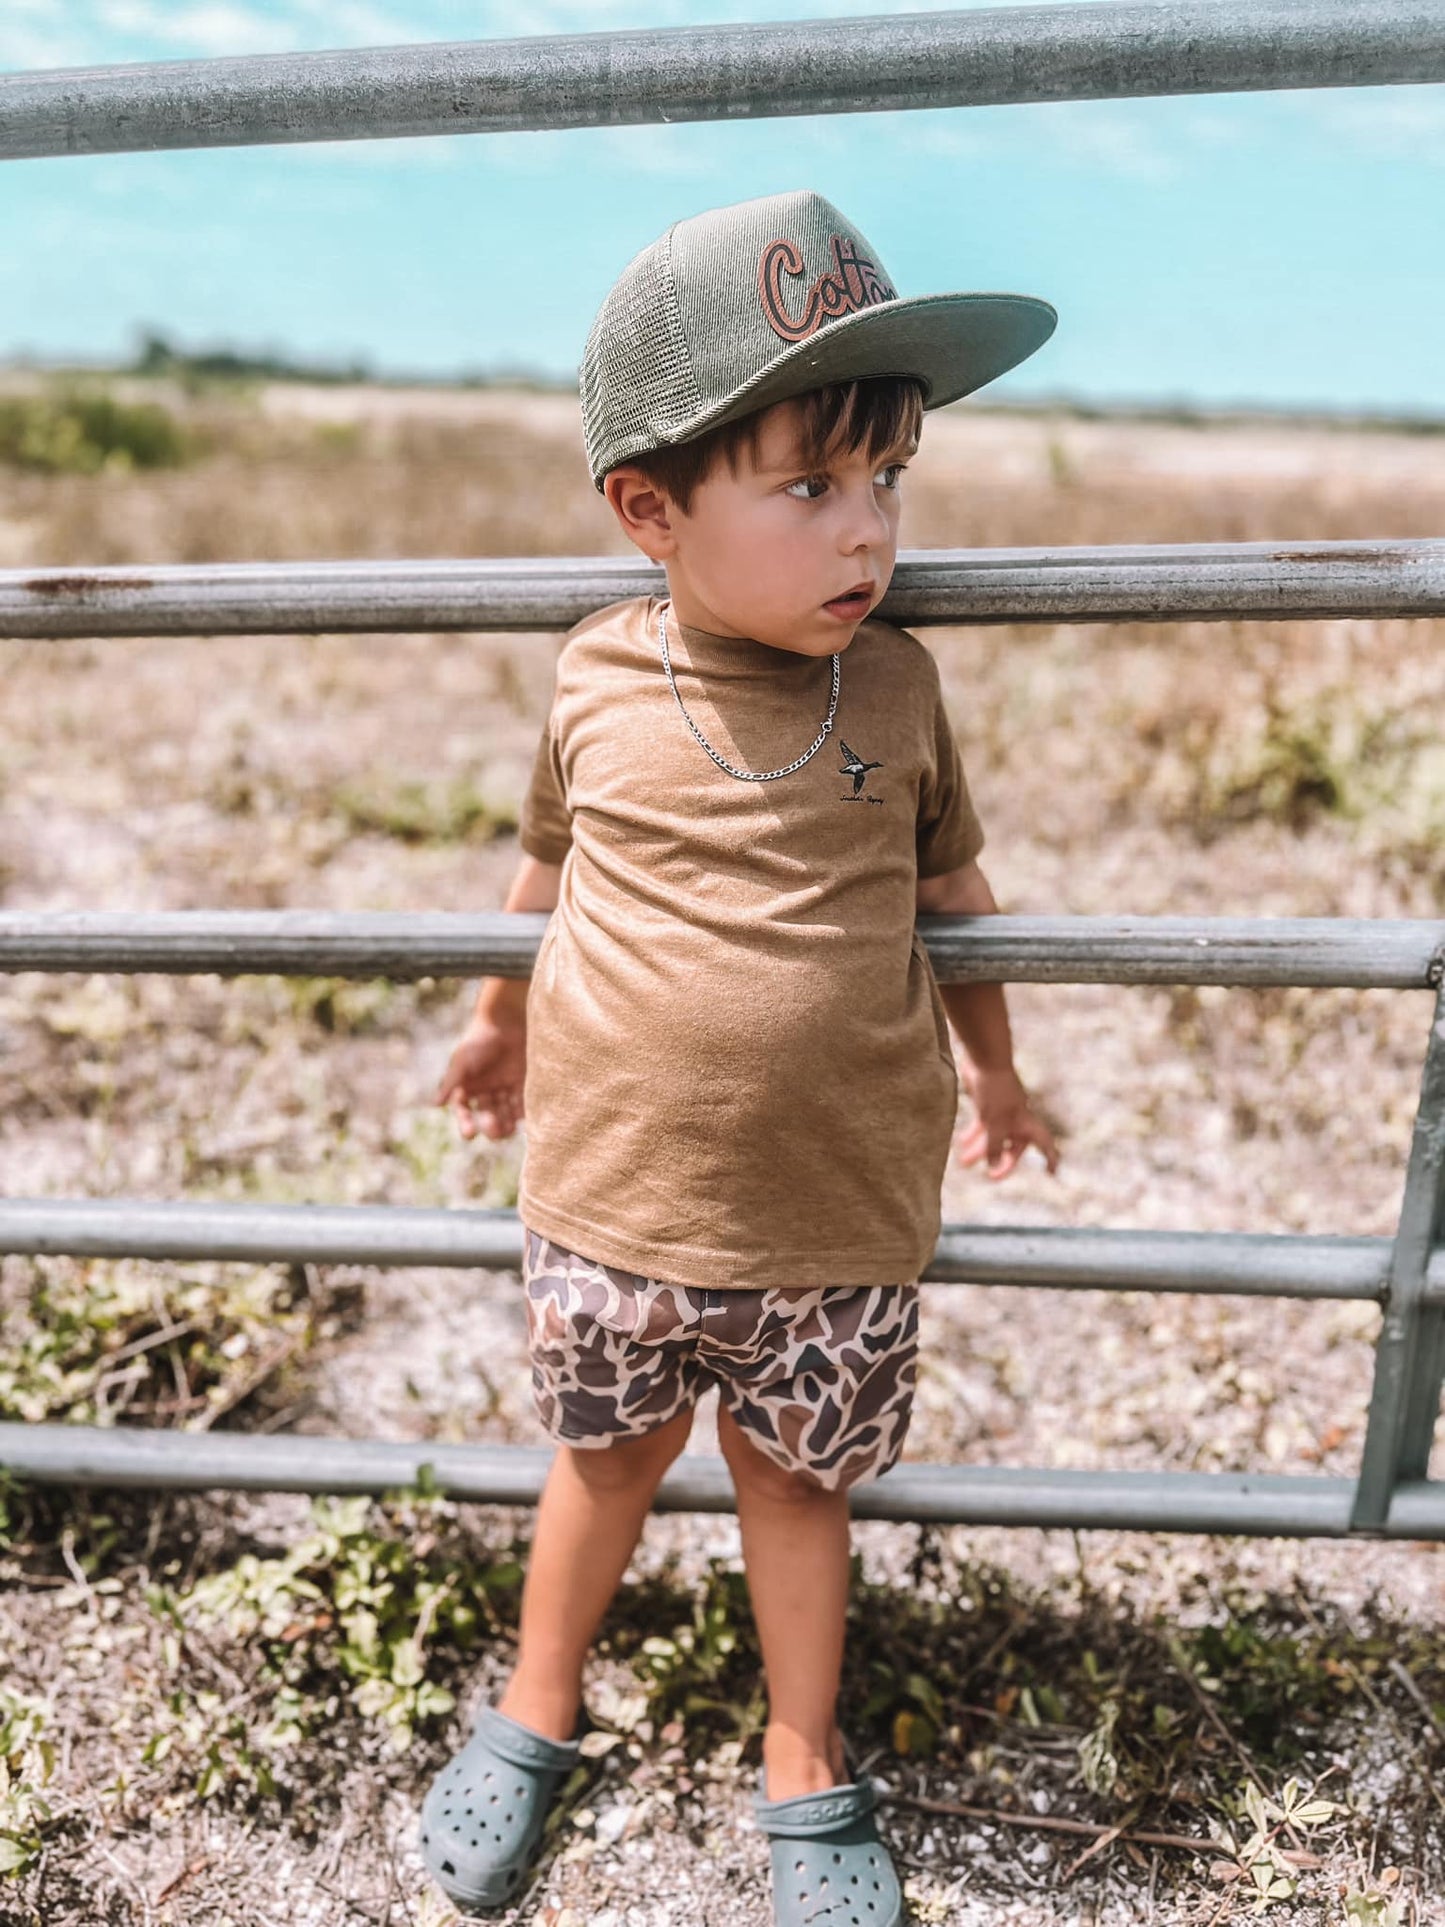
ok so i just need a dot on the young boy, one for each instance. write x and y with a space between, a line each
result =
738 1079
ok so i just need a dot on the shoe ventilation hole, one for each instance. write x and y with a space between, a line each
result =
447 1867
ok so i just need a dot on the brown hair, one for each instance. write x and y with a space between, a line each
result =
873 413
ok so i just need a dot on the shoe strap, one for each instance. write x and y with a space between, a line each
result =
520 1746
811 1813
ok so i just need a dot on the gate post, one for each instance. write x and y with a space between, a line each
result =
1410 1355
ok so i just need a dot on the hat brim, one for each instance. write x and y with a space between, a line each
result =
952 343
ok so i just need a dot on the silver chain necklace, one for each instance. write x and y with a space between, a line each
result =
748 775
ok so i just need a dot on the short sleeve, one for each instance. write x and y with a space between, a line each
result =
949 832
545 830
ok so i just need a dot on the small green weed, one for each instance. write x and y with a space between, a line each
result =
27 1763
344 1006
1292 761
1251 1838
1293 773
414 811
1274 1686
1374 1909
710 1665
340 441
350 1617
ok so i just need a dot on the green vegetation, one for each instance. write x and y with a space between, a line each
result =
1221 1733
419 812
99 1340
349 1614
27 1763
200 369
158 356
79 429
1294 762
345 1006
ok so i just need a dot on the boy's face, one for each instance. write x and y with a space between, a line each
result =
789 555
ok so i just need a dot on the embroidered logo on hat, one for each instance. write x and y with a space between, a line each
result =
854 282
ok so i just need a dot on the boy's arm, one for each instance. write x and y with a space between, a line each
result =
1006 1124
486 1072
536 886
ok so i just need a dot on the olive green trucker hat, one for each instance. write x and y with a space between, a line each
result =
742 306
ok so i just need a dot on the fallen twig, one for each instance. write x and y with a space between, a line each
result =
243 1388
1054 1823
1407 1680
184 1877
1211 1713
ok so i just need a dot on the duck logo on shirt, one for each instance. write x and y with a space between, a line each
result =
854 766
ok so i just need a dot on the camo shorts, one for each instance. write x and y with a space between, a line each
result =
820 1380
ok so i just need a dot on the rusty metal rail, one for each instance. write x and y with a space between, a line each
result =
1197 582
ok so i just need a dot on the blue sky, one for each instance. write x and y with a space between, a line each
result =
1278 249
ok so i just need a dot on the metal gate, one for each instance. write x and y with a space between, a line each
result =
1036 53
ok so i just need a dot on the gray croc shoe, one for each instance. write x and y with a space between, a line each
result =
483 1814
830 1869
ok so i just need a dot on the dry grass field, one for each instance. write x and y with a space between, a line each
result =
224 1709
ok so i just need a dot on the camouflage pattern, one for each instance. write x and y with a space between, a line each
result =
821 1380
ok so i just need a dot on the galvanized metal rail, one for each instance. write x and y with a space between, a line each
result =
1364 953
1238 1264
1406 1275
992 56
1279 1505
984 57
1198 582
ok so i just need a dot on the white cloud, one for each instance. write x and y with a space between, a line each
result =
39 41
96 32
357 23
956 141
1208 126
1396 123
216 27
1112 142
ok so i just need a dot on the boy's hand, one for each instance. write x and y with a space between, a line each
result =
484 1075
1005 1125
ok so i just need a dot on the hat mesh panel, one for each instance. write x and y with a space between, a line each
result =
636 379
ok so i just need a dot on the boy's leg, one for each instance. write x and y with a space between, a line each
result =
589 1519
837 1369
796 1543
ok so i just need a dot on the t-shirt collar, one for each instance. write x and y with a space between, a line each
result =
729 658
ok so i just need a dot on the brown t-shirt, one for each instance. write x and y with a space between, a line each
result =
738 1062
